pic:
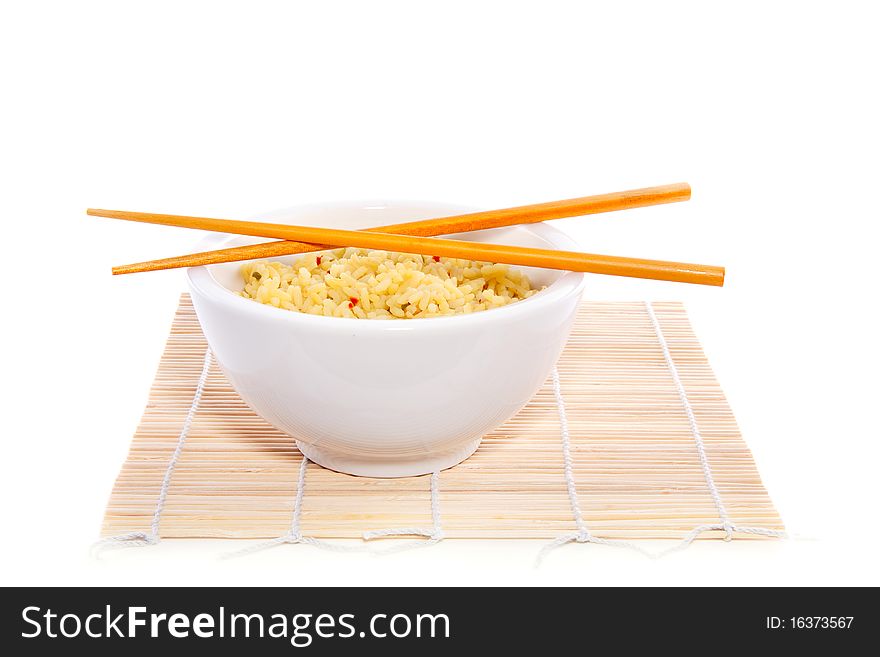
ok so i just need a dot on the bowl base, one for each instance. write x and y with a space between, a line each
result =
387 469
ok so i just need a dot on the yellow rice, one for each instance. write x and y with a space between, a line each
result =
382 285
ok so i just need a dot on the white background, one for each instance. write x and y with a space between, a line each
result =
769 110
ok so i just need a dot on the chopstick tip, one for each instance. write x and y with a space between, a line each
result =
125 269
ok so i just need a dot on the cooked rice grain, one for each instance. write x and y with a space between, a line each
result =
381 285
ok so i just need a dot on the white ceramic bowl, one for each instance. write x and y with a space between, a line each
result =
386 398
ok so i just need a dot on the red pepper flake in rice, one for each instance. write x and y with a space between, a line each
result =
436 258
352 302
318 261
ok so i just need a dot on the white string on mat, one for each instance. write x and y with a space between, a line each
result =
295 536
151 537
434 534
726 525
583 534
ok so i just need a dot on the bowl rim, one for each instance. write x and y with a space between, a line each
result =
203 282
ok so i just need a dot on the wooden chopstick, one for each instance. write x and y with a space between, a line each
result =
513 255
633 198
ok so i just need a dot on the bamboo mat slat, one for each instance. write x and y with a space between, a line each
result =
636 466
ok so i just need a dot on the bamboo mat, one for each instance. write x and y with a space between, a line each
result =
635 465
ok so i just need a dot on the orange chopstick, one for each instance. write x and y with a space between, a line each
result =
513 255
634 198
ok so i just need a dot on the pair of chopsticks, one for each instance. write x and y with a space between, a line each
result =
417 237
